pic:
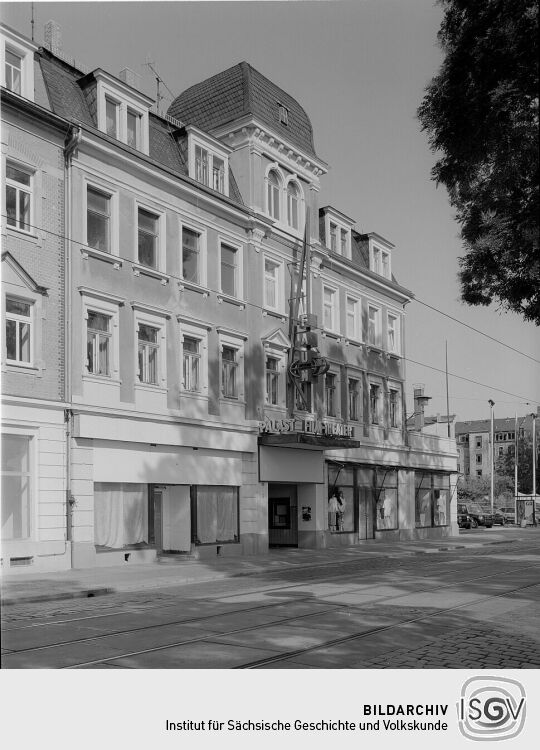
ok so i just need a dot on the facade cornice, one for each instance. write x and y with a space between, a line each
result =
33 110
334 262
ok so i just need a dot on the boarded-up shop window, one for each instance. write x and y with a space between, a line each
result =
120 514
217 514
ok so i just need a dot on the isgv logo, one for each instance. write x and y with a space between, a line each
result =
491 708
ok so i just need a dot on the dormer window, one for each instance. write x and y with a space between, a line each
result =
122 111
380 261
283 115
208 161
17 63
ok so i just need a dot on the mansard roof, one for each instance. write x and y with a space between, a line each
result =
238 92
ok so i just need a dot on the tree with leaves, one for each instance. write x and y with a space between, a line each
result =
481 115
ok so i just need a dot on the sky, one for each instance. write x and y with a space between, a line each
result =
359 69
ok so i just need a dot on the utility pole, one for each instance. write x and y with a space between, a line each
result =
534 466
447 397
492 455
516 460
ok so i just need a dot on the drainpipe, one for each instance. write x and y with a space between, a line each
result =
71 143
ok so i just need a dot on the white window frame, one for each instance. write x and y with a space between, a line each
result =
125 99
24 49
378 423
160 215
334 323
377 342
30 321
330 219
239 275
100 304
19 187
274 167
377 257
394 388
279 283
236 342
277 348
32 433
198 331
158 321
358 379
301 203
201 231
356 334
396 349
214 150
336 394
114 228
24 289
272 375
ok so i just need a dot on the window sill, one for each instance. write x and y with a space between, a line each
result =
195 395
151 387
238 401
22 367
105 379
374 348
22 233
331 334
182 285
90 252
231 301
353 342
394 355
274 314
140 270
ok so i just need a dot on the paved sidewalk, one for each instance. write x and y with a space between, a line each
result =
69 584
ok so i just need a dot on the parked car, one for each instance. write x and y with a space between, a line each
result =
504 515
464 522
478 516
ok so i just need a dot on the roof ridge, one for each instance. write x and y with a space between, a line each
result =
247 80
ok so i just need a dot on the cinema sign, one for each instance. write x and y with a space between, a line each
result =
305 426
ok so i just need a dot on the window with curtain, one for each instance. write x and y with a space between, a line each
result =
217 514
432 499
120 514
387 500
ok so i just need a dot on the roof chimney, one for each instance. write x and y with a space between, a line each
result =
131 78
419 404
53 37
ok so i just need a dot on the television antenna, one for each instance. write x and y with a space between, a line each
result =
150 64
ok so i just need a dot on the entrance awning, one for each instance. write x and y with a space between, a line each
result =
305 440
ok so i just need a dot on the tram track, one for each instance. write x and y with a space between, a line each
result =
280 621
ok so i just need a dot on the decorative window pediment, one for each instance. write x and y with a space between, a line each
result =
14 273
208 160
276 340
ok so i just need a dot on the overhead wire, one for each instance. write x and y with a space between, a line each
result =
262 308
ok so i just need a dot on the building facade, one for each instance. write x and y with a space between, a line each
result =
203 284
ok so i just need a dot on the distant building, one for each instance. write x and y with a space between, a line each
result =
473 440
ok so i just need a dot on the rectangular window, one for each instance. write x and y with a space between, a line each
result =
330 394
376 260
98 220
16 487
354 399
303 402
432 503
18 197
271 283
283 115
341 500
374 395
192 364
218 174
13 72
343 241
18 330
216 514
374 329
478 442
333 237
201 165
329 301
394 408
272 380
352 323
111 117
148 352
98 343
393 334
229 372
133 125
386 265
191 256
148 238
229 270
120 515
387 500
478 458
479 473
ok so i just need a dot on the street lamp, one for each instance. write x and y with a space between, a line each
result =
492 404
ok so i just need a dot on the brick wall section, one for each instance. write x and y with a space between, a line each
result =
42 257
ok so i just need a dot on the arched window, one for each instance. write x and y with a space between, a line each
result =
293 203
274 185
